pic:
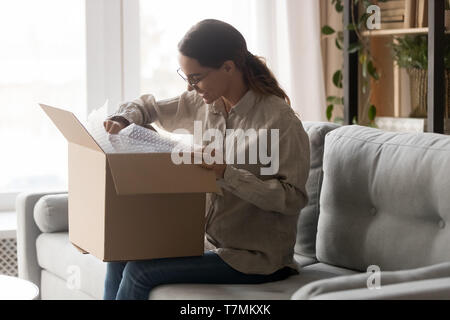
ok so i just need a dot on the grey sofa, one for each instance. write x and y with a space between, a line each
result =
375 227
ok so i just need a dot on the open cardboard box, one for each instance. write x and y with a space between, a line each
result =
131 206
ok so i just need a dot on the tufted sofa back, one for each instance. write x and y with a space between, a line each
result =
385 199
307 222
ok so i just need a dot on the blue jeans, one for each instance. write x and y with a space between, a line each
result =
135 279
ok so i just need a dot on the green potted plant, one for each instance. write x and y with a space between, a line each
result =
411 53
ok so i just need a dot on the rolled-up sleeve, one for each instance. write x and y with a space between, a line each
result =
169 114
286 192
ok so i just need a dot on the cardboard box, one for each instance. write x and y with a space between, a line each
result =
131 206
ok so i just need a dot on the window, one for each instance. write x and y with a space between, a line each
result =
42 60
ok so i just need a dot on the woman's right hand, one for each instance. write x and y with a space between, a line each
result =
112 126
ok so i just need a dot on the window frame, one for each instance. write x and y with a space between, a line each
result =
112 52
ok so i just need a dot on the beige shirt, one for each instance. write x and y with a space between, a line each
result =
253 226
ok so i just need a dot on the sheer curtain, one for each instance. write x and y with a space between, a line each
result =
287 34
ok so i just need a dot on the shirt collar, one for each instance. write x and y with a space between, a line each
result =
241 108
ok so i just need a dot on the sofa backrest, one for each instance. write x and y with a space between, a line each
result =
385 199
307 222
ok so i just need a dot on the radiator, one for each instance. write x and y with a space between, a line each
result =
8 254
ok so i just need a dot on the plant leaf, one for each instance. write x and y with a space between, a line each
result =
372 112
353 47
337 79
338 45
327 30
329 111
335 100
339 7
372 70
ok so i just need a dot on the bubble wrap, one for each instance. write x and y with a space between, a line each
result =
135 138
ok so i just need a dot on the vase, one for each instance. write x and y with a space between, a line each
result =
419 86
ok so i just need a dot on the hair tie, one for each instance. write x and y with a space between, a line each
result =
249 56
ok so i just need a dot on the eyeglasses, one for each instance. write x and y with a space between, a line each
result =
192 82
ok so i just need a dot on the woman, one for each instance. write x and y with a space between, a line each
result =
250 231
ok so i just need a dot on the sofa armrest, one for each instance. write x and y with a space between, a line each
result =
431 289
27 233
360 281
51 213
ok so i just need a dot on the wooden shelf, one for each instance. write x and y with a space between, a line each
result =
436 77
396 32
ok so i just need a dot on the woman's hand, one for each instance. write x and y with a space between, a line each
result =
218 168
113 127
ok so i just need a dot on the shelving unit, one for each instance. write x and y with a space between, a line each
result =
395 32
436 80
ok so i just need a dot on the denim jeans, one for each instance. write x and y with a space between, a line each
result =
135 279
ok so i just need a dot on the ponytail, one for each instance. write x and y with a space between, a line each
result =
260 79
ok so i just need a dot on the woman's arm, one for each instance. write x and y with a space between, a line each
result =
286 193
169 114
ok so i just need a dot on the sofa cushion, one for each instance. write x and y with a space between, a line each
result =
363 280
60 260
55 288
51 213
384 199
432 289
82 272
277 290
307 222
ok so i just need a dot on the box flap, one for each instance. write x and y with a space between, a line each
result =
143 173
71 127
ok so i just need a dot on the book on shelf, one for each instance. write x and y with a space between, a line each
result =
391 4
410 13
392 14
392 25
393 19
422 13
398 14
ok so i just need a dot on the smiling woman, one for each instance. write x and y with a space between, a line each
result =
250 229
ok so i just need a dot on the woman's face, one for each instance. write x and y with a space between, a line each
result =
213 83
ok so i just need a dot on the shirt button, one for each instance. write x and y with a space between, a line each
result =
373 211
442 224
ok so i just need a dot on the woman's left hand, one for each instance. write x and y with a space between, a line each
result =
218 168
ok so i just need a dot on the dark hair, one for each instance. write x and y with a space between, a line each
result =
212 42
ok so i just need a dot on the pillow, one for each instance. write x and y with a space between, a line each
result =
51 213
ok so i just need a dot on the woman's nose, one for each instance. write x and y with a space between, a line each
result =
194 87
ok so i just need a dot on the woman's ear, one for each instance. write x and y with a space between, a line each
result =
229 66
